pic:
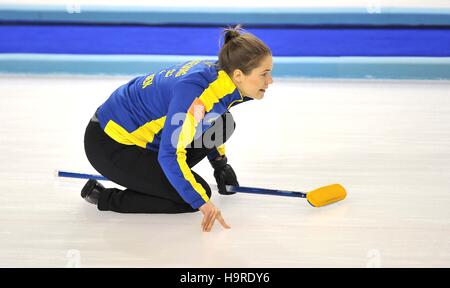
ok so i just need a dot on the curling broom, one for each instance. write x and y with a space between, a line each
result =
318 197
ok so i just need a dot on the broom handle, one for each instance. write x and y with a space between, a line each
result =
238 189
253 190
80 175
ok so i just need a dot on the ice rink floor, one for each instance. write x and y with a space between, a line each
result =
386 142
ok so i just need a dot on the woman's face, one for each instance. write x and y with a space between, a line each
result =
255 84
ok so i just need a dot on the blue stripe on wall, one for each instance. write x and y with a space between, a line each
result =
305 67
224 16
117 39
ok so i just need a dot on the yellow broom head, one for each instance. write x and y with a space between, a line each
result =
326 195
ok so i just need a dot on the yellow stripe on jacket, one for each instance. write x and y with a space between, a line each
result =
140 137
193 117
218 89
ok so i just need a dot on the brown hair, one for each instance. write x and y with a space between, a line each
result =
241 50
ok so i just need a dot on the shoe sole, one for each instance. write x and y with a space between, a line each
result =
87 189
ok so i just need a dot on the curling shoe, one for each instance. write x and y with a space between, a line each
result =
91 191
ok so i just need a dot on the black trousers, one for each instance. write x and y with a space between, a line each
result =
137 169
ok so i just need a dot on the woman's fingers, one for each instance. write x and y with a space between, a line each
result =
211 219
222 221
218 217
210 216
204 222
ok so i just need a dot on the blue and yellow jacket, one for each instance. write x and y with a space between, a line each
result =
162 112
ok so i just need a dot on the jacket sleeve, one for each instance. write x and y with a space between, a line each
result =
218 151
185 112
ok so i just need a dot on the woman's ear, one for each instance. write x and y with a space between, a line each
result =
237 76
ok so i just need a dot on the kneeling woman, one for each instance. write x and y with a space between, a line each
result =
151 131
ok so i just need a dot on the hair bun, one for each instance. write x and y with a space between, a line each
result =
231 33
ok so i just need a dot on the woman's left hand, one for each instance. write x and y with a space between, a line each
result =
224 175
